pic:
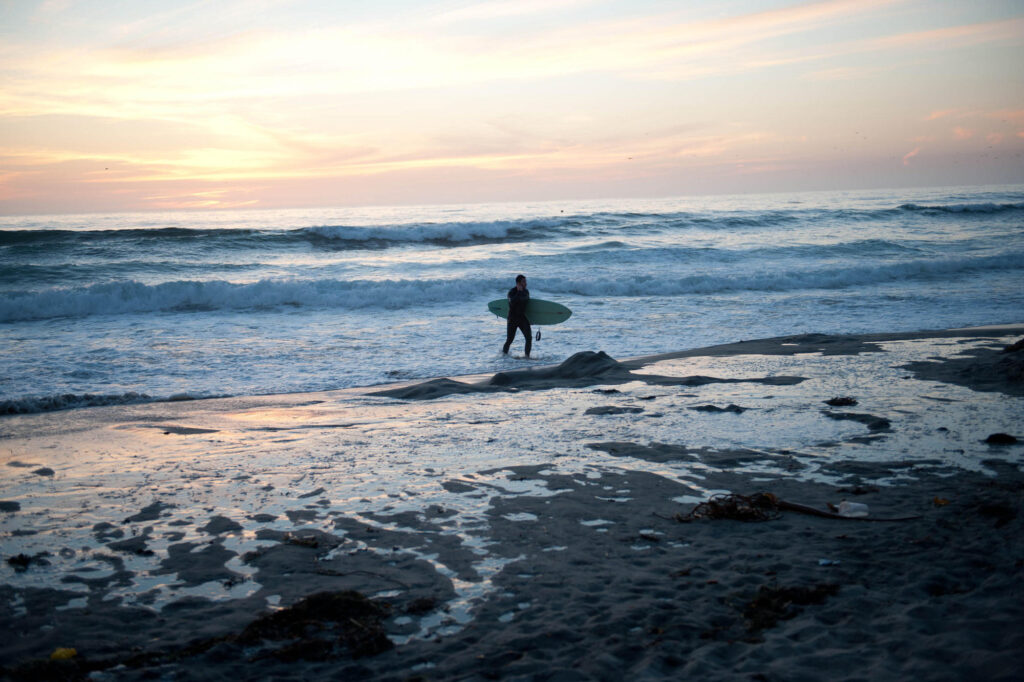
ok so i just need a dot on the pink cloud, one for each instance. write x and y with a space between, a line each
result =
1014 116
1004 30
909 155
962 133
936 115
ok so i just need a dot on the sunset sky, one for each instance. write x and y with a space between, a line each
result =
135 105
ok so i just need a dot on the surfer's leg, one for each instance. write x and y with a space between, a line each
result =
525 326
510 335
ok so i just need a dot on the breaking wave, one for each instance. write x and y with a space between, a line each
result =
116 298
984 208
464 233
68 401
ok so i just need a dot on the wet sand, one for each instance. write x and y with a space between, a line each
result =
534 525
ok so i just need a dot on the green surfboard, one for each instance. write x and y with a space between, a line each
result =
537 311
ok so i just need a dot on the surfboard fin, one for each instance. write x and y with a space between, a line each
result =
537 335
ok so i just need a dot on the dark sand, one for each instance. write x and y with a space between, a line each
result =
597 577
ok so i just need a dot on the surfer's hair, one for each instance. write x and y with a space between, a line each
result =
520 278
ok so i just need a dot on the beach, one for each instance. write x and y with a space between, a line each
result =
522 341
538 523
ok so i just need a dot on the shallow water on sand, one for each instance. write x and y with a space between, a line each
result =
309 460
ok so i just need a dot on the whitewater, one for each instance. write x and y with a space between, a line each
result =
113 308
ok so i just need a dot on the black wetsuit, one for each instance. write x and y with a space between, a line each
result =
517 301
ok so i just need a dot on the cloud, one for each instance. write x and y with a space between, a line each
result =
910 155
1015 116
1010 30
155 67
945 113
1005 30
844 73
158 68
503 9
669 47
994 126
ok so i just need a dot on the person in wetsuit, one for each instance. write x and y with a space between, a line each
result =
518 297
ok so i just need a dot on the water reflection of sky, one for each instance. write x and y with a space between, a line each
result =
377 455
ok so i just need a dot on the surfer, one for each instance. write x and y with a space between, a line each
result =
518 297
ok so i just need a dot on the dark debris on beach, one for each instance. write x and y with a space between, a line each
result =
988 368
323 626
757 507
773 603
1001 439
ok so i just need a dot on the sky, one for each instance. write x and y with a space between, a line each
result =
159 105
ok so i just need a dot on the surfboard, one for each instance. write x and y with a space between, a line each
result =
538 311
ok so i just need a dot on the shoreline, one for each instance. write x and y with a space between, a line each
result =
778 345
529 530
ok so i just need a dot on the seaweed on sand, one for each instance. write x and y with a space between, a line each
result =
756 507
773 604
321 626
764 507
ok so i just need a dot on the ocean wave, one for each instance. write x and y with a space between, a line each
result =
68 401
71 401
788 279
611 245
329 236
601 224
754 219
454 233
986 208
860 249
157 234
116 298
119 298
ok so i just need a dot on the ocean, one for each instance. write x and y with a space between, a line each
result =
134 307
